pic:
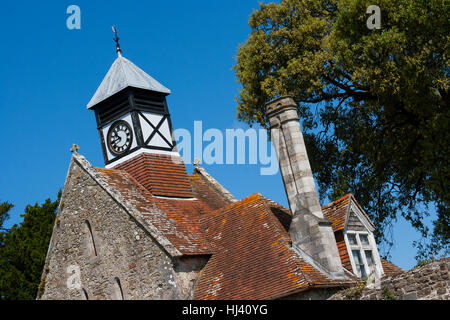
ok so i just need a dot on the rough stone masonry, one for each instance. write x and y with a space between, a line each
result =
116 257
428 282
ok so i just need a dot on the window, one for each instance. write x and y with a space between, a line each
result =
364 239
92 242
352 239
360 269
118 289
362 253
85 295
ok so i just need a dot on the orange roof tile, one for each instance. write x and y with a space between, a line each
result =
343 252
202 190
253 258
176 219
160 174
390 269
337 211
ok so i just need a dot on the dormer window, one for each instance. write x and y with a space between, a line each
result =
353 231
362 253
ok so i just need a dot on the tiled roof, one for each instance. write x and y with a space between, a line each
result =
342 248
281 213
253 257
248 240
202 189
337 211
390 269
162 175
214 185
176 219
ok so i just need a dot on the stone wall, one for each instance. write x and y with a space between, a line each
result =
428 282
115 256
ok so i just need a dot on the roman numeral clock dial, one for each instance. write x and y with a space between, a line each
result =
120 138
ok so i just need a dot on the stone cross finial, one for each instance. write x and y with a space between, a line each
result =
74 148
197 162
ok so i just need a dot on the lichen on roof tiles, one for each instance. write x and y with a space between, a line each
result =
176 219
255 257
251 251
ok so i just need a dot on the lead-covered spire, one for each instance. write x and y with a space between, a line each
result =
124 73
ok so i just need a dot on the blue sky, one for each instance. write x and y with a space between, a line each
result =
48 74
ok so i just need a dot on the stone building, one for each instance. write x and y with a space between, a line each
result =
143 228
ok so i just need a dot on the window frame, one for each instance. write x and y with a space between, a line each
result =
362 248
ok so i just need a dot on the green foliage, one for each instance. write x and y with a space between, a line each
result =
4 215
388 295
23 249
422 263
374 104
356 291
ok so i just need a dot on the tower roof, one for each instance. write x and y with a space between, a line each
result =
124 73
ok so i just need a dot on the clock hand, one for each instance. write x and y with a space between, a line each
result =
116 139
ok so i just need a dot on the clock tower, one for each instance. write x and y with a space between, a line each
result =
131 112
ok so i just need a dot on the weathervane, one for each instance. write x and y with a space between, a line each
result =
116 39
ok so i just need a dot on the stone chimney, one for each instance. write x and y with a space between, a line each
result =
309 230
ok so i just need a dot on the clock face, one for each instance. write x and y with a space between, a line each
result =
120 137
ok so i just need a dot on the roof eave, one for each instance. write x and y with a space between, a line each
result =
311 287
92 104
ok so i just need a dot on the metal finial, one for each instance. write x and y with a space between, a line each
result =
116 39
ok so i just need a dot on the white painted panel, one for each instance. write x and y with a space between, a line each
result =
157 141
154 118
165 130
147 129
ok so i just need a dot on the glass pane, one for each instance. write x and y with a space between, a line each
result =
364 239
352 239
359 263
362 271
357 256
370 262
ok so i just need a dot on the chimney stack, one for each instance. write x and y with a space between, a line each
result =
309 230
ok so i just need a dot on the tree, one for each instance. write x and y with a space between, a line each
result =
23 249
4 213
374 104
